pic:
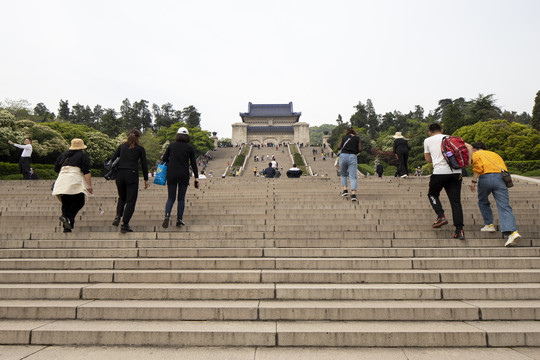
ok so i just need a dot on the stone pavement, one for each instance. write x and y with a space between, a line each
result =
267 268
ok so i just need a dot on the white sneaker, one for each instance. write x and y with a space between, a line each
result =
488 228
513 239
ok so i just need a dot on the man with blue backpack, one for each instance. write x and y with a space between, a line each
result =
448 154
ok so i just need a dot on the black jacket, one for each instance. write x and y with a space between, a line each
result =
179 156
73 158
129 158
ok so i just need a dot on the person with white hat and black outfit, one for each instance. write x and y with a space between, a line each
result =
179 156
74 182
401 152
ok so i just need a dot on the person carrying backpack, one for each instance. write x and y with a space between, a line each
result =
444 177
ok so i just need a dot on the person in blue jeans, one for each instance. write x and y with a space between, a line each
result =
179 156
487 167
349 147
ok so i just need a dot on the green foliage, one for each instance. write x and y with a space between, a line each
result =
71 131
100 147
366 169
241 157
522 167
427 169
512 141
535 121
150 142
6 119
316 133
201 140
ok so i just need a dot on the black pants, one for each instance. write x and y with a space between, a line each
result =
24 167
127 183
71 204
403 158
452 185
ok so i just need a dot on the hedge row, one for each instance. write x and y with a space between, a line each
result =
10 171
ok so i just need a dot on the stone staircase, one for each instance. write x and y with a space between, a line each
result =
281 155
267 262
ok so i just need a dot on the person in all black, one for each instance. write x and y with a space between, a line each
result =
379 169
73 183
350 146
401 152
179 156
127 177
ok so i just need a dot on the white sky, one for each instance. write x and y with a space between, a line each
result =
218 55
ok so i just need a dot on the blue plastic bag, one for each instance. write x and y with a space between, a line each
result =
161 175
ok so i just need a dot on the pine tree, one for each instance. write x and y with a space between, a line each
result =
535 121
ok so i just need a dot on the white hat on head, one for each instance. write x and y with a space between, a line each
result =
183 130
398 135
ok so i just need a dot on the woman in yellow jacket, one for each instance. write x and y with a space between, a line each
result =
487 167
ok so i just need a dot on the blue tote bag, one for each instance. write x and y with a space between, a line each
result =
161 175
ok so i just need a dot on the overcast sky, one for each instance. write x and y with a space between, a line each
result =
218 55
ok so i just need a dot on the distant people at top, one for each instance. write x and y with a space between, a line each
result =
294 172
401 152
24 160
349 147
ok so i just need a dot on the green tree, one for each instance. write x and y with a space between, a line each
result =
41 113
360 118
152 145
535 121
63 110
372 119
482 108
81 115
191 116
110 124
165 115
21 108
512 141
339 119
99 148
141 115
316 133
452 114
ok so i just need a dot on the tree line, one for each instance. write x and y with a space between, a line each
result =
516 136
137 115
101 129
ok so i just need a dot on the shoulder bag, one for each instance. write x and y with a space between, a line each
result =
507 178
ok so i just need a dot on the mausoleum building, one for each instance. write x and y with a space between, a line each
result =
270 124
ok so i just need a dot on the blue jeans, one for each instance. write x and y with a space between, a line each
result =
182 189
493 183
348 165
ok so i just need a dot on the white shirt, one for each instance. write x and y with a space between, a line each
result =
202 176
274 164
27 149
432 146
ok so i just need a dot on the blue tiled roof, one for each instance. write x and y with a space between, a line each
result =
252 129
270 110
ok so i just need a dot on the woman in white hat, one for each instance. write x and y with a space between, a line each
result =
74 182
179 156
401 152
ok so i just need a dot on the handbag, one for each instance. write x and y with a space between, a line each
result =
507 178
161 175
336 163
112 166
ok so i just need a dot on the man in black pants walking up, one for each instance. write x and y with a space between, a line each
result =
443 177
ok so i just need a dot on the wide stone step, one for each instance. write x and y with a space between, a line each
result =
271 263
330 310
259 291
271 276
272 333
